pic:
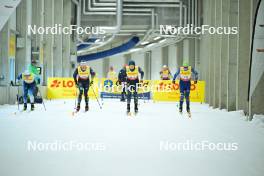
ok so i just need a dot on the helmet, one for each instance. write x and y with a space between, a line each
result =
27 73
131 62
82 63
185 63
164 66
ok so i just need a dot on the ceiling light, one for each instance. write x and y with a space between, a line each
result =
144 43
162 41
157 38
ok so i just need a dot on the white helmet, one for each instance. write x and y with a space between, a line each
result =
83 63
26 72
164 66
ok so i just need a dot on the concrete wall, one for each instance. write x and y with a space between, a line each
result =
225 59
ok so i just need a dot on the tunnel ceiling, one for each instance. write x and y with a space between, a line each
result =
138 17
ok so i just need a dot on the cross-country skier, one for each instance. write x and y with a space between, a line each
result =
185 74
122 81
82 81
132 76
165 73
29 85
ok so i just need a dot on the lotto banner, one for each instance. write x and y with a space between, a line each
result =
110 89
65 88
166 91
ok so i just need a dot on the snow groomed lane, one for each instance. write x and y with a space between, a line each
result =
159 141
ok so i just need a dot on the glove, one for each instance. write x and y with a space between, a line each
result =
195 82
91 83
118 82
173 81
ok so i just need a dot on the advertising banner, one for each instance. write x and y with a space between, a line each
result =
65 88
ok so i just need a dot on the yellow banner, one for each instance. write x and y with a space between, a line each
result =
166 91
12 46
65 88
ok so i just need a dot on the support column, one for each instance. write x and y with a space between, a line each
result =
179 54
224 55
232 58
66 39
165 55
57 58
217 53
172 59
243 54
212 57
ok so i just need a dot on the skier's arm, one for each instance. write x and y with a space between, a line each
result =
141 73
92 73
75 76
37 79
19 77
121 75
176 74
195 73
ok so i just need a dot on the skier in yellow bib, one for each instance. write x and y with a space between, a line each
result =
185 74
30 82
131 73
82 81
165 73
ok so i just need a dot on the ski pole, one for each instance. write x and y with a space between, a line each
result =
18 97
96 98
42 100
76 92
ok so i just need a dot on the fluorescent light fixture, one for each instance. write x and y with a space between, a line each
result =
97 40
157 38
144 43
162 41
135 49
152 44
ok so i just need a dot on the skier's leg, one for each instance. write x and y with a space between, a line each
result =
86 98
135 99
123 92
187 95
128 98
79 97
181 95
31 96
25 95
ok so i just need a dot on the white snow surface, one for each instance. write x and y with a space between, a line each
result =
131 145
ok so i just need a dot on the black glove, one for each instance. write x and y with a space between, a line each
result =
91 83
173 81
195 82
76 85
118 82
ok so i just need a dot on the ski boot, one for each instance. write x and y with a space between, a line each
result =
128 109
122 99
25 107
32 107
188 112
86 107
136 108
180 110
78 107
